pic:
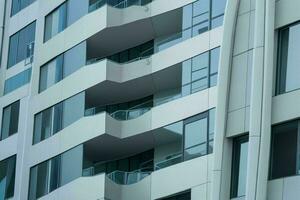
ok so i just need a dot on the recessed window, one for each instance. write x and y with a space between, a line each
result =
288 59
55 22
63 16
55 172
7 177
62 66
239 167
18 5
284 150
17 81
49 121
10 120
21 45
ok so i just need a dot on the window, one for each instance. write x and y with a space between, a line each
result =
239 167
17 81
7 177
62 66
63 16
288 59
52 120
18 5
202 16
196 136
55 172
10 120
200 72
285 150
55 22
191 138
19 45
186 195
51 73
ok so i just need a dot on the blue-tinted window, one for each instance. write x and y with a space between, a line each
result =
18 5
55 172
17 81
55 22
7 177
10 120
51 120
19 44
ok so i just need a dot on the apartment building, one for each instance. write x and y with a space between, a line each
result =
149 99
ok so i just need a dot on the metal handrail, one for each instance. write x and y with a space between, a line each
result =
141 57
128 178
171 159
133 109
123 4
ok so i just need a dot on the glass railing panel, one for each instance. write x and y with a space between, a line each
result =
169 161
121 5
127 178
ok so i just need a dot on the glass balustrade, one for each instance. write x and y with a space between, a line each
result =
117 4
122 115
143 55
127 178
169 161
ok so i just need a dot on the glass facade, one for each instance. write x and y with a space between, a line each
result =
62 66
18 5
7 177
10 120
239 167
288 59
50 121
63 16
193 137
17 81
285 160
19 44
197 18
198 73
55 172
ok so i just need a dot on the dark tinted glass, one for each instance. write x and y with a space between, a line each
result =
284 150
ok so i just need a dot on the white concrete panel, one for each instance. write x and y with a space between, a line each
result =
275 189
139 190
291 187
237 94
79 189
285 107
8 147
236 122
199 192
242 34
179 177
287 11
245 6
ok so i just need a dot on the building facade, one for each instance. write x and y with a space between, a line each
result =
149 99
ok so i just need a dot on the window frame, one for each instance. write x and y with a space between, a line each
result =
2 122
50 13
235 164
